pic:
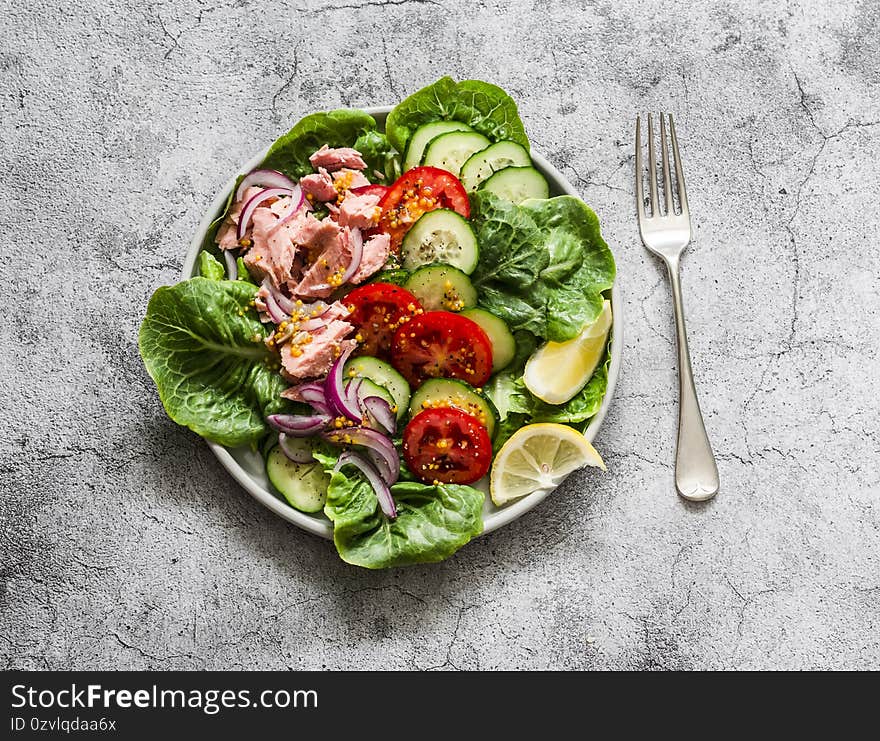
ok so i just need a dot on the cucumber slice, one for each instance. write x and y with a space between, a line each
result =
382 374
450 151
397 277
303 485
440 236
450 392
423 135
503 344
482 165
517 184
442 288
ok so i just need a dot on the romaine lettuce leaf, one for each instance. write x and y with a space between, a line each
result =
484 107
383 161
202 344
210 267
341 128
432 523
543 264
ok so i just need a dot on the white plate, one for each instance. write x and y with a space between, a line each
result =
246 466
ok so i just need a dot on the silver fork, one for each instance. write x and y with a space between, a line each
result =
666 234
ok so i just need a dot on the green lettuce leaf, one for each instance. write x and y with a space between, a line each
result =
432 522
244 274
484 107
341 128
210 267
543 264
202 344
383 161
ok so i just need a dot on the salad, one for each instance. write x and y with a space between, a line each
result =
395 319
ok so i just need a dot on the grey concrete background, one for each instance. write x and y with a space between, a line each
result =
124 545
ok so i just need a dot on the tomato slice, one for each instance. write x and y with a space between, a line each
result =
416 192
370 190
440 344
447 445
377 311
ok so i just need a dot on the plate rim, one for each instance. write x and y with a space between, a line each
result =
495 520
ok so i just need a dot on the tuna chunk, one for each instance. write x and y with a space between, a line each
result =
345 180
272 253
313 234
260 304
315 357
226 235
325 274
376 251
359 211
335 159
319 186
336 310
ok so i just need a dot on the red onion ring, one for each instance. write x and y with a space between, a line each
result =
248 211
367 438
231 265
383 493
298 425
381 466
335 391
296 196
357 254
297 449
265 179
352 392
287 305
315 397
379 410
276 313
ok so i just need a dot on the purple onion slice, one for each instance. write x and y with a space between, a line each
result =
383 492
231 265
288 306
297 199
357 254
371 439
264 179
378 410
334 390
353 392
298 425
276 313
297 449
248 211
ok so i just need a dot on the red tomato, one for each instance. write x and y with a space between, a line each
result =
370 190
447 445
378 310
440 344
414 193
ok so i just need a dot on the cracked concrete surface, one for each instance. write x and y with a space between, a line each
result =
124 545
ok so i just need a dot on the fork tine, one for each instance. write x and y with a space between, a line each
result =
679 175
652 169
667 181
640 194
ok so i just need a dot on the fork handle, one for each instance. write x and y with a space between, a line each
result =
696 474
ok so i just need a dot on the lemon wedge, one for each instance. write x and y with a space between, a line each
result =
557 371
538 457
